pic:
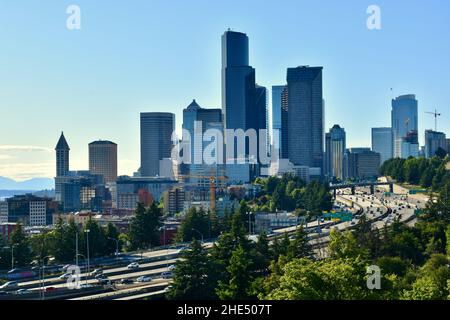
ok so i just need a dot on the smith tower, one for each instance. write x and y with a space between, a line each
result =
62 157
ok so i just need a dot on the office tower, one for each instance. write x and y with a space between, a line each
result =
197 121
261 119
30 210
62 156
207 119
240 102
433 141
305 116
284 124
448 146
405 141
382 143
361 163
277 93
156 140
103 160
335 145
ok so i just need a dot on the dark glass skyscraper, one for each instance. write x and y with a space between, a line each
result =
305 116
404 119
156 140
241 98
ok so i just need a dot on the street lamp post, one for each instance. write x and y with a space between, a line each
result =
87 245
85 263
43 276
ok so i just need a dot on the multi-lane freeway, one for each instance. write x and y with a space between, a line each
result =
381 208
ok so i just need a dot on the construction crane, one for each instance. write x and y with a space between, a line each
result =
212 186
436 115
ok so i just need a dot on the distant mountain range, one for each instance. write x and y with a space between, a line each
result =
35 184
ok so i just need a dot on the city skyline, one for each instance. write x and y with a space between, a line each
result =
24 155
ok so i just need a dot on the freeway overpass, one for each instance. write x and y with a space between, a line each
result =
353 186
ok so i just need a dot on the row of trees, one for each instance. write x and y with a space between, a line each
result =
60 243
290 193
418 171
414 263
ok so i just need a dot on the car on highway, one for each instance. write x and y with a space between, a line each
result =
167 289
171 267
100 275
97 272
14 271
9 285
126 281
144 279
3 293
65 276
51 289
23 291
104 281
167 275
85 286
133 265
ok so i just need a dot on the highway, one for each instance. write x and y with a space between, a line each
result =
379 208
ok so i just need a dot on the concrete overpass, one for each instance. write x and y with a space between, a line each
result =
355 185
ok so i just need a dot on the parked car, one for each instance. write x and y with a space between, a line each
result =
133 265
144 279
9 285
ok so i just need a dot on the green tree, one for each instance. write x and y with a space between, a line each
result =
145 227
331 279
344 245
238 287
300 247
21 246
192 275
195 221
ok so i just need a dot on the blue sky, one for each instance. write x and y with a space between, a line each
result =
132 56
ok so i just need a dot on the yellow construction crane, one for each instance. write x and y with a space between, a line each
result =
436 115
212 186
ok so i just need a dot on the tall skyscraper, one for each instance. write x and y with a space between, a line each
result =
277 94
241 98
284 124
62 165
433 141
405 126
62 156
335 145
156 140
259 120
305 116
103 160
382 143
208 119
